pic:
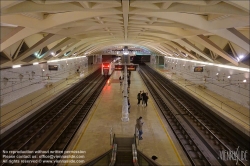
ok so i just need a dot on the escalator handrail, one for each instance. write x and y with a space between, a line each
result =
134 152
98 158
150 161
113 139
113 158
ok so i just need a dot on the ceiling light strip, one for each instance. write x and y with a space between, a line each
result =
57 60
213 64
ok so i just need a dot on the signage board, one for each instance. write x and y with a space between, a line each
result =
53 67
198 69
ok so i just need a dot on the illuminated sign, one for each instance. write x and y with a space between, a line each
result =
53 67
119 67
131 68
198 69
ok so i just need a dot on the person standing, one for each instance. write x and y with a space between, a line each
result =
120 78
146 99
139 124
139 97
128 105
143 98
128 82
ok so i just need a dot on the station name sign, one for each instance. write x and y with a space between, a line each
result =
129 67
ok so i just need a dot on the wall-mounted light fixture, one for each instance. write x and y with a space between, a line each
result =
214 64
16 66
217 74
228 76
245 80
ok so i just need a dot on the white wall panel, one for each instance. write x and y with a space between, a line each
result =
14 88
232 88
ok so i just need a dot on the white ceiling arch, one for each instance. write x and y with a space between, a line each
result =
189 29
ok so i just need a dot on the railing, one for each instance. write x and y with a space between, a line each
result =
98 158
114 152
143 158
110 135
134 152
136 135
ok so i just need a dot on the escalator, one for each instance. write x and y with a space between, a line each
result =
123 153
124 156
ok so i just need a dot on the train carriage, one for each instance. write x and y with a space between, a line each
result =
107 68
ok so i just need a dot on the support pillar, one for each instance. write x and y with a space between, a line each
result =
125 114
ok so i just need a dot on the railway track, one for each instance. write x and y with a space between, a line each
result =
54 127
205 138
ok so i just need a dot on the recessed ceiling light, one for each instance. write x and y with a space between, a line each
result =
241 56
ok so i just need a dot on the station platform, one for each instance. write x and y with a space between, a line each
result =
105 119
227 109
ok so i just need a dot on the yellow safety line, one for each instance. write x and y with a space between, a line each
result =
87 125
78 141
178 155
170 140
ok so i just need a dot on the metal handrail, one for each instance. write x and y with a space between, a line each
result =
136 136
113 158
148 160
134 152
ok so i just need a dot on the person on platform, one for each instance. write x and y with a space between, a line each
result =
128 82
128 105
139 124
143 98
146 99
139 98
120 79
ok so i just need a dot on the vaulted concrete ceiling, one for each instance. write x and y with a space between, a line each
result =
208 30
